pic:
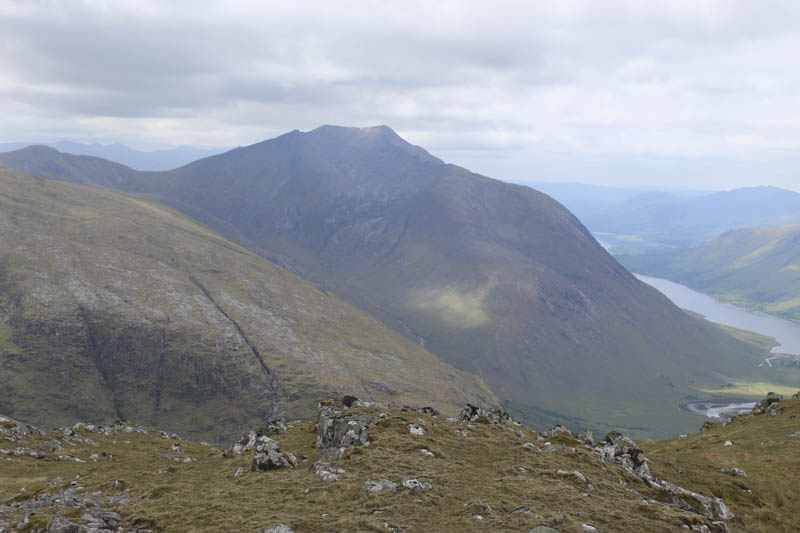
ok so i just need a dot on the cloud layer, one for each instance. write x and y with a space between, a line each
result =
646 92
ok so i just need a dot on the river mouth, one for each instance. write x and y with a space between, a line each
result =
718 407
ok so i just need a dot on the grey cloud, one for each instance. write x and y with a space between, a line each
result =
511 84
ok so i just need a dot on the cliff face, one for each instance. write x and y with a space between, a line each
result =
114 307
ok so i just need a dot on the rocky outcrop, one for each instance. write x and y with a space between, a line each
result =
474 414
339 427
767 405
616 447
248 441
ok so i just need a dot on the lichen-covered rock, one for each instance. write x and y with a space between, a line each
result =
14 430
327 472
732 470
338 428
416 429
24 452
378 486
415 485
278 528
248 441
268 456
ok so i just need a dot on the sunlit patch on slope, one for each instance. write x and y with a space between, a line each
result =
457 308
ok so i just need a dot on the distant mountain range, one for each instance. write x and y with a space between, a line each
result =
678 220
119 153
113 307
494 278
754 267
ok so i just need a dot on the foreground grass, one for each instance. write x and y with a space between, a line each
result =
763 447
487 473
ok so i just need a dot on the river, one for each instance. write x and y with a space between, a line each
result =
785 332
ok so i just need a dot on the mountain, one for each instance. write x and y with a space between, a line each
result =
585 199
113 307
119 153
753 267
496 279
477 473
673 220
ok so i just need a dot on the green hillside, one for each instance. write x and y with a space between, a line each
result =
755 268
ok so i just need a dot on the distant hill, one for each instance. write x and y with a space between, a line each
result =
119 153
754 267
683 221
113 307
497 279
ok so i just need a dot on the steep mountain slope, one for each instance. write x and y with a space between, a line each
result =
688 221
497 279
754 267
115 307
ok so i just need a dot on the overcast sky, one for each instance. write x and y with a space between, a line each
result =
686 94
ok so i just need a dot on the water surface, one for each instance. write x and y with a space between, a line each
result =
786 332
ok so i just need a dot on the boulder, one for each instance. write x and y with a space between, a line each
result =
764 404
378 486
268 456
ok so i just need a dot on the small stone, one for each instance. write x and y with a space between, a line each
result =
728 443
416 429
378 486
732 470
477 517
278 528
416 485
239 471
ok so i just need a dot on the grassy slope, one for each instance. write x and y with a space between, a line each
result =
755 268
115 307
762 446
476 474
